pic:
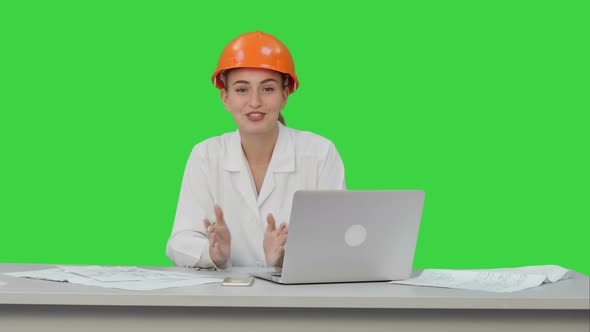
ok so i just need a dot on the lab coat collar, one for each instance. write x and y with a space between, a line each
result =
233 161
283 156
282 161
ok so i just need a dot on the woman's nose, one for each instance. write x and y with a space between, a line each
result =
255 100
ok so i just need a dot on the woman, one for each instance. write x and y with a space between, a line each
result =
238 185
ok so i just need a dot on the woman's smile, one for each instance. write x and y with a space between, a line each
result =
255 116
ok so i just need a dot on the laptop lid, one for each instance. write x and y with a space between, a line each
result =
346 236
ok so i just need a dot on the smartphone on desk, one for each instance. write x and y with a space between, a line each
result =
245 281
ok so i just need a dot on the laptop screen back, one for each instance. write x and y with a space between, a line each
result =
340 236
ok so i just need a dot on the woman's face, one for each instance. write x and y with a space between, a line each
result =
254 97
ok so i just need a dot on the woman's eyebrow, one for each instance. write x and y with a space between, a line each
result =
261 82
268 80
241 81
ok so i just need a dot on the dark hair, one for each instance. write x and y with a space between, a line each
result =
282 119
225 75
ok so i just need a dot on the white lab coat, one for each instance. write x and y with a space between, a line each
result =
217 173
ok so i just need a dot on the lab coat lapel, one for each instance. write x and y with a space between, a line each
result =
235 163
282 161
268 185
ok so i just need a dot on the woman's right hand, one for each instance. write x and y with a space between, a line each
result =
219 239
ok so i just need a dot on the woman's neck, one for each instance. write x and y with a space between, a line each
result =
258 148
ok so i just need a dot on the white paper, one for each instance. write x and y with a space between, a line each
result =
55 274
120 277
125 273
552 273
492 280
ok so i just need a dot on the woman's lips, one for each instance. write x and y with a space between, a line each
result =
255 116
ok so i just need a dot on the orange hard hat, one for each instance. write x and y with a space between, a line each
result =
256 50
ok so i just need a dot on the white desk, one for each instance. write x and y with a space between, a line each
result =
35 305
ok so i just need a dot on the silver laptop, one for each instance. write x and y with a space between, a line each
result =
350 236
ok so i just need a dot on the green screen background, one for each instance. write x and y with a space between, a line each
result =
483 104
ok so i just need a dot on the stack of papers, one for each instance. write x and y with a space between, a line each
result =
492 280
121 277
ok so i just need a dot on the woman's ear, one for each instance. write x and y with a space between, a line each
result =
285 96
224 100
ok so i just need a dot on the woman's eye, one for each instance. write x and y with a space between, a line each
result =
241 90
268 89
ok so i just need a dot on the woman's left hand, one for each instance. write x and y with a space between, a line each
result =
274 242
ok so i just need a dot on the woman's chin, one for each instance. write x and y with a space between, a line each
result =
258 128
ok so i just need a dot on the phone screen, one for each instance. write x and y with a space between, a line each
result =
238 281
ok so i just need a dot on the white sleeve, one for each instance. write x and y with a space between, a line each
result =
188 245
331 174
